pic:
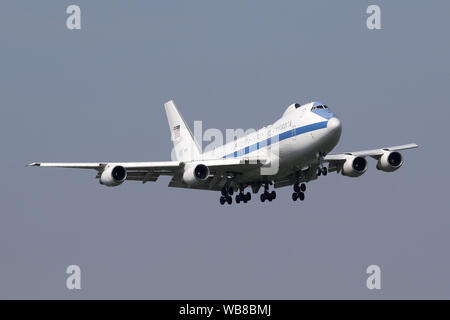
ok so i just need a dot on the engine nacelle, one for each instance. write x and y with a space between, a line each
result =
195 173
113 175
390 161
354 166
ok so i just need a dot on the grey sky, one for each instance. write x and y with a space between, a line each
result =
97 94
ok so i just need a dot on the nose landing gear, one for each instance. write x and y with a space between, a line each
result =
321 169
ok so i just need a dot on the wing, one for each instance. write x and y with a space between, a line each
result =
220 170
140 171
375 153
336 160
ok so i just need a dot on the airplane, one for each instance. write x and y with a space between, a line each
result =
292 151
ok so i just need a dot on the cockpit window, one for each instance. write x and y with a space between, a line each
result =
319 107
297 105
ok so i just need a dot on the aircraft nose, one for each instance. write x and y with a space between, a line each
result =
334 125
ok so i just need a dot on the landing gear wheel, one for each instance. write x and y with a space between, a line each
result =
222 200
296 188
230 191
262 197
248 196
301 196
324 171
273 195
302 187
229 200
267 196
295 196
224 192
238 198
319 172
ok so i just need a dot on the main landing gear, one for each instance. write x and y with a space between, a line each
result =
226 195
266 195
244 197
227 192
299 192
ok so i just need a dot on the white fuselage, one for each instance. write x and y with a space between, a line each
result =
295 140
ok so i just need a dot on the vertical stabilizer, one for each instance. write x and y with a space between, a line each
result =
185 146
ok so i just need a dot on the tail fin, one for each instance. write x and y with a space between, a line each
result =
185 146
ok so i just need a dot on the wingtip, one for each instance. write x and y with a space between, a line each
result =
33 164
169 102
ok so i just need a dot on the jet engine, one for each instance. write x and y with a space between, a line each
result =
390 161
195 173
113 175
354 166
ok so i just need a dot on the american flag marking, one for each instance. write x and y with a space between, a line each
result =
176 132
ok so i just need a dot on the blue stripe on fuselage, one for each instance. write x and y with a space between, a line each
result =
277 138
